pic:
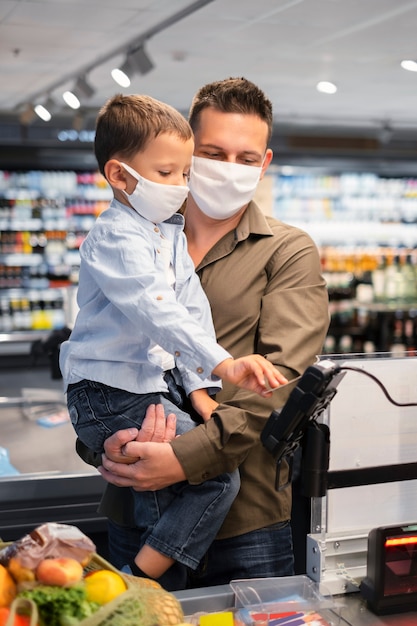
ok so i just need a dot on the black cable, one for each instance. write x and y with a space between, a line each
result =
378 382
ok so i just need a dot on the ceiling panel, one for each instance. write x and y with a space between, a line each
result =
285 46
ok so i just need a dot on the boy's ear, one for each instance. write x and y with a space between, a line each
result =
115 174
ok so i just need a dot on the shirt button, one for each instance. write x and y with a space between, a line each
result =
156 229
159 297
177 353
200 370
158 251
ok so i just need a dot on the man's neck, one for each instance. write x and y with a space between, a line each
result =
203 232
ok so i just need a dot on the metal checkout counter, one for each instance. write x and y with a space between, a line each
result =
360 413
357 493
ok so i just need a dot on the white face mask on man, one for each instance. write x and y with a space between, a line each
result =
155 202
220 188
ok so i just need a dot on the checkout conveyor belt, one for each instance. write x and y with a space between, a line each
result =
352 611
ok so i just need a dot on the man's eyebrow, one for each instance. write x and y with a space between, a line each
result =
211 145
253 153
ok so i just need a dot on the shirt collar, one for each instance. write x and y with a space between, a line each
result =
253 222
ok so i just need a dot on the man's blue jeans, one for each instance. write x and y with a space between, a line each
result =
262 553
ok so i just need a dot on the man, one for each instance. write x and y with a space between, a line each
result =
267 296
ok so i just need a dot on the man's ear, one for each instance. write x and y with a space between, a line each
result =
267 160
115 174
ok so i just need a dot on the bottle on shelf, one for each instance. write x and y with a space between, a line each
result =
410 279
378 279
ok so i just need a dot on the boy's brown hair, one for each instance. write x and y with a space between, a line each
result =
125 125
232 95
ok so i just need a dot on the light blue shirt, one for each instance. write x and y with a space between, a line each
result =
127 306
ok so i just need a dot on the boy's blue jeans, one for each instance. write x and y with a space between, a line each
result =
180 521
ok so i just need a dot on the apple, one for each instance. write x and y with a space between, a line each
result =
60 571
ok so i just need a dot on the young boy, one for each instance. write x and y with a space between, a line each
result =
144 334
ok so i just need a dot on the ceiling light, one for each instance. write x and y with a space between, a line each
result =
42 112
137 62
120 76
325 86
71 99
409 65
44 108
83 89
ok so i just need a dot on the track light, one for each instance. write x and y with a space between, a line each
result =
137 62
83 89
42 112
140 61
325 86
121 75
409 64
71 99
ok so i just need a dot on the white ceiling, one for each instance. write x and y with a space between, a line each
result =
285 46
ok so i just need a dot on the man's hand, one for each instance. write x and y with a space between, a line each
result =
114 446
129 461
157 467
251 372
155 427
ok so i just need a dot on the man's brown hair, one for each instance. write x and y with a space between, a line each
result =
125 125
232 95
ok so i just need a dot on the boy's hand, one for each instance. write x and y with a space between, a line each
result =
203 403
251 372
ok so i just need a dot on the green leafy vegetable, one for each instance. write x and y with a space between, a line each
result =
60 606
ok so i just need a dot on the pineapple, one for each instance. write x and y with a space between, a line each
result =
163 606
137 581
139 606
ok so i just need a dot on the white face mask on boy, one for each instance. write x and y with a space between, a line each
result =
220 188
154 201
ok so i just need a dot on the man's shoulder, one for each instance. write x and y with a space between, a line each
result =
262 223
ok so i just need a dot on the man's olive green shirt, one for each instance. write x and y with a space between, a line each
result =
268 296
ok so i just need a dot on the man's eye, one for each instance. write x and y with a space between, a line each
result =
249 162
212 155
164 174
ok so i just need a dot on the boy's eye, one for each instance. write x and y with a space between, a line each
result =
164 174
186 175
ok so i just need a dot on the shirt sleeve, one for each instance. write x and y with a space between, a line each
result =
292 327
122 264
